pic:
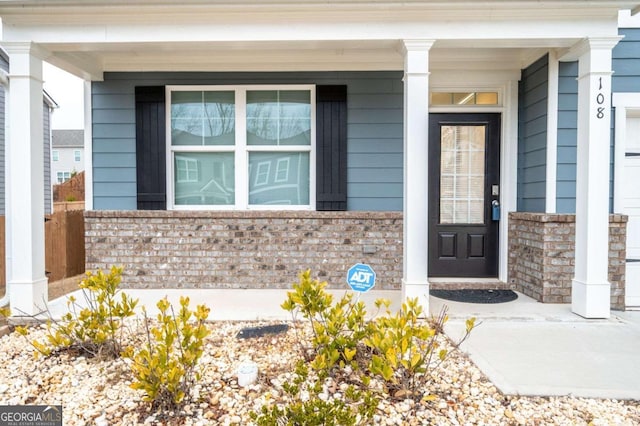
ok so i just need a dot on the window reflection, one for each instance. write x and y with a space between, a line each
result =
279 178
203 118
204 178
277 117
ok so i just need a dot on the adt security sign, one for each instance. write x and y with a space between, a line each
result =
361 277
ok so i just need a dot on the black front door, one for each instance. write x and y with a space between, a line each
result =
464 160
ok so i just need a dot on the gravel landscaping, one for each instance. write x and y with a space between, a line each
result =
94 391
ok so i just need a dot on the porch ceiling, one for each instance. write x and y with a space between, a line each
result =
91 37
90 60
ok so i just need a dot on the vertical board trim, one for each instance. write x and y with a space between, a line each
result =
150 148
331 146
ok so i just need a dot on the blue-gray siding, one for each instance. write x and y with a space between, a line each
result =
567 137
626 62
626 78
374 131
4 65
532 136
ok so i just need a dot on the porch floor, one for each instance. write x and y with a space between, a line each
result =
524 347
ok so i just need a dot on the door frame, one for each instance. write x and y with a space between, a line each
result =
505 82
624 104
466 265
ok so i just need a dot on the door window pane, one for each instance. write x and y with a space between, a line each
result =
279 178
278 117
204 178
462 174
203 118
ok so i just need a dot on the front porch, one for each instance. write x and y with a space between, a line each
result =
461 48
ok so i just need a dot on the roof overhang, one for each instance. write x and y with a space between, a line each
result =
90 37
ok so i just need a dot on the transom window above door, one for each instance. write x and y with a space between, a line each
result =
241 147
464 98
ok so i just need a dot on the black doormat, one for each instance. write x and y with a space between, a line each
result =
249 332
476 295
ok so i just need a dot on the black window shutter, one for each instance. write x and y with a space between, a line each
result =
331 147
151 148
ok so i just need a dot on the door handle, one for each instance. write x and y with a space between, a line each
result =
495 210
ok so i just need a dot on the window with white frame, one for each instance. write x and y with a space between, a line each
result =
76 155
55 154
62 177
240 147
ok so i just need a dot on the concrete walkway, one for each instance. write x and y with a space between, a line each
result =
524 347
529 348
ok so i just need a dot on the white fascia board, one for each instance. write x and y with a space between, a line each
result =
254 29
23 10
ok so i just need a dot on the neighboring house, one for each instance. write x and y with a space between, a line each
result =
67 155
446 144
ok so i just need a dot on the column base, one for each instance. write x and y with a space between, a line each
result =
28 298
591 300
419 290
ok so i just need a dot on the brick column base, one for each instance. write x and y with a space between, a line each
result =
541 256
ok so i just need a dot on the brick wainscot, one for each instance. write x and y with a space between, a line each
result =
267 249
541 256
253 249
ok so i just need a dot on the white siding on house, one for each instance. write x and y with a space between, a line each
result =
66 162
68 153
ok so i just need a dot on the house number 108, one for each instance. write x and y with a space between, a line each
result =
600 101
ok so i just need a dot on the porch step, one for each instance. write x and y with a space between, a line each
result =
468 283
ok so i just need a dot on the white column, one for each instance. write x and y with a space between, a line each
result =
88 147
590 288
25 181
416 144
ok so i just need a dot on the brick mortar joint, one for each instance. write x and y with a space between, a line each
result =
249 214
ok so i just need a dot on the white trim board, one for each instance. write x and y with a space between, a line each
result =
506 84
623 103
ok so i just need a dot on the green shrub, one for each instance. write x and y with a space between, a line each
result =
355 407
337 328
94 329
166 367
405 347
70 198
402 349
